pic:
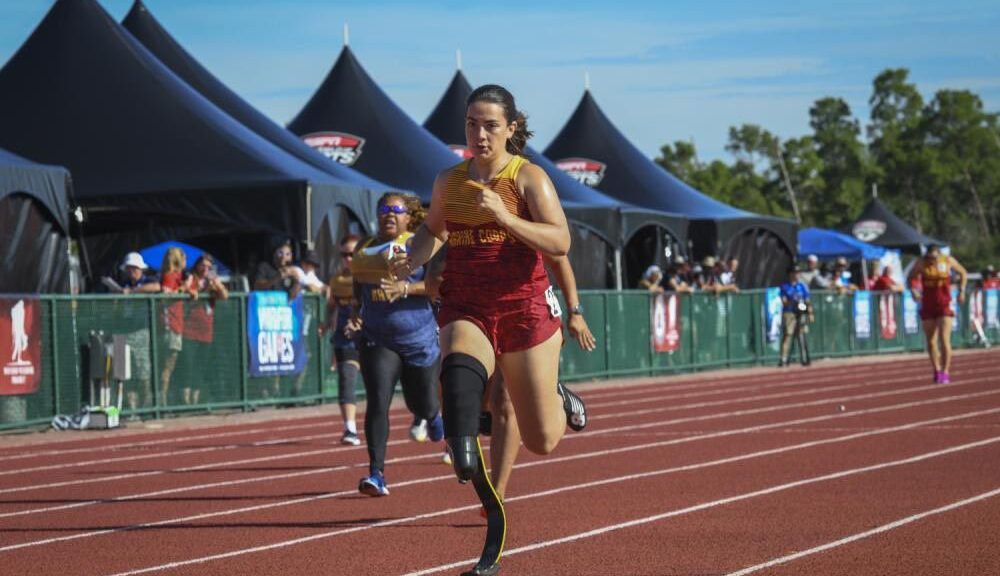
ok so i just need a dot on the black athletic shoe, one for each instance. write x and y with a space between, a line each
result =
576 410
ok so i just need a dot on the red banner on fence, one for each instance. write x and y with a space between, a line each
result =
666 319
20 346
887 315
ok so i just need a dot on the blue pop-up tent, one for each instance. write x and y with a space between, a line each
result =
829 244
153 255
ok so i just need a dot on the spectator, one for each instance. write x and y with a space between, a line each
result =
990 280
795 306
726 273
199 325
697 278
678 281
885 283
812 276
172 282
841 278
136 281
306 273
279 274
651 279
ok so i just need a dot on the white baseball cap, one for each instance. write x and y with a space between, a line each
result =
812 258
134 259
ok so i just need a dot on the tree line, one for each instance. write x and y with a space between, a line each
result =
936 164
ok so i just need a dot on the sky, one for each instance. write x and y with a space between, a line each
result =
661 70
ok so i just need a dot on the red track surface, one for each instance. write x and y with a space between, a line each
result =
758 471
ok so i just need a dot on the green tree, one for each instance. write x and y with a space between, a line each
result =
681 159
805 174
963 137
836 135
901 163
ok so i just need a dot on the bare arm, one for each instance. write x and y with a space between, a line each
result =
429 238
576 323
963 277
547 231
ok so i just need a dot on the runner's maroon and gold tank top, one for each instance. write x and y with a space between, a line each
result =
484 263
935 276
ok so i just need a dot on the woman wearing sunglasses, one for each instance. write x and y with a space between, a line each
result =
500 216
398 335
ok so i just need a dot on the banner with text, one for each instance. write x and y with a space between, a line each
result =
956 308
666 317
992 308
863 314
911 314
21 346
772 315
274 334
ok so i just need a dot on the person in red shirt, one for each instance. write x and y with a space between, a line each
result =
990 280
934 295
199 325
885 283
172 282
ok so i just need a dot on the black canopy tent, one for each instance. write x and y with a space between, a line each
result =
590 148
641 233
147 30
351 120
151 158
880 226
34 226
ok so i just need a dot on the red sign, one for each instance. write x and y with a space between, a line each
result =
584 170
666 323
337 146
20 346
887 316
460 151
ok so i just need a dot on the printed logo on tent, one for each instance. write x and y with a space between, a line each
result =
337 146
868 230
589 172
460 151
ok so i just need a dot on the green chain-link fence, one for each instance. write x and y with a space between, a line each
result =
210 371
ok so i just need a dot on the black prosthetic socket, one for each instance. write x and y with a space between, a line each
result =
463 382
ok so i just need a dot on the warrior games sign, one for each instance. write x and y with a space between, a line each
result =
274 334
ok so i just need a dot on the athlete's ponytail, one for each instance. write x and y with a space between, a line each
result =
496 94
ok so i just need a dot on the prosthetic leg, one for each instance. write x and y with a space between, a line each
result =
463 381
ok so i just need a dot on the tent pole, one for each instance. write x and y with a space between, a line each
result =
618 268
864 274
310 244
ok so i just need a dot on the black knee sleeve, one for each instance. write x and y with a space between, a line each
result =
463 382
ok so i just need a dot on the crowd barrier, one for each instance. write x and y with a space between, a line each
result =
638 334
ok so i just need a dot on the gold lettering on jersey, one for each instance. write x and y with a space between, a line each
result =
379 295
492 236
461 238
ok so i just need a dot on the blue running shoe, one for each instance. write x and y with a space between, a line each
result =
435 428
374 485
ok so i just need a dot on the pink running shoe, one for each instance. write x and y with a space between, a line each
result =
944 379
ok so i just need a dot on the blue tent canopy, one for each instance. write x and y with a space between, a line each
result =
153 255
828 244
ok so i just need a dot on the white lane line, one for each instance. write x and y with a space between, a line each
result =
699 507
789 378
867 533
710 386
629 428
545 462
657 399
596 454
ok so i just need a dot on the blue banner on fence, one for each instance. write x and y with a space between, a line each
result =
862 314
992 312
772 314
274 333
911 325
957 323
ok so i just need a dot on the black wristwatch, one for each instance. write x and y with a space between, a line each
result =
578 309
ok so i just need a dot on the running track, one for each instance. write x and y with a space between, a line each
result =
752 472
